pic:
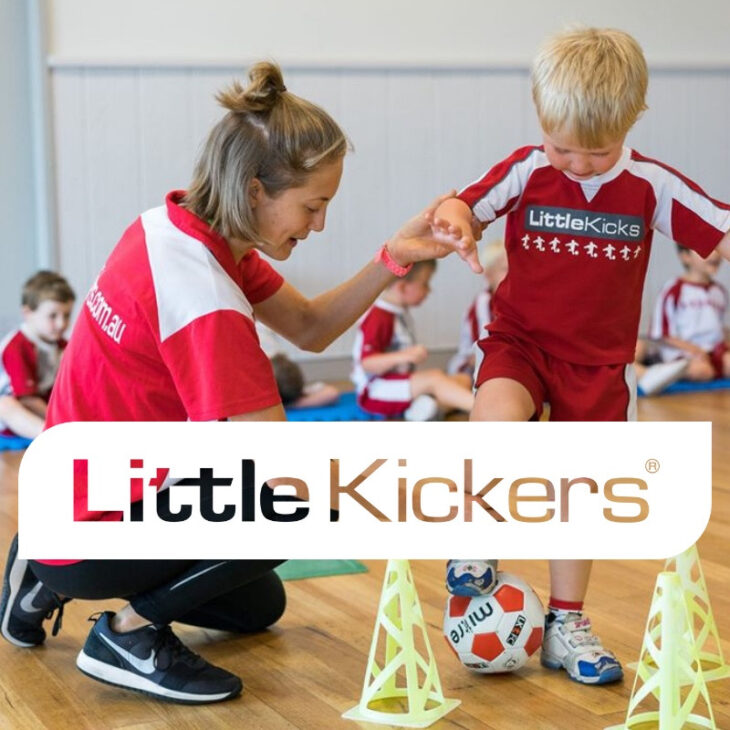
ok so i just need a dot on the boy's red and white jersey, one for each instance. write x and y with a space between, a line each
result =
167 330
28 364
691 312
578 251
384 328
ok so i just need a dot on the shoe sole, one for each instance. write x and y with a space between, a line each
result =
12 579
613 675
118 677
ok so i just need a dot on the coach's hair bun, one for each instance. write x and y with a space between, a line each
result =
266 85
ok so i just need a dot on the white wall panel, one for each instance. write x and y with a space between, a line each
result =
124 137
385 33
18 244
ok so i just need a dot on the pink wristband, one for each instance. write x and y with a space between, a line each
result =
383 257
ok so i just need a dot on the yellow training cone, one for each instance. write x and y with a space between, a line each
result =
669 672
701 621
408 670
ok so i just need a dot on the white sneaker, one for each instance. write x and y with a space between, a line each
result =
570 644
422 408
662 375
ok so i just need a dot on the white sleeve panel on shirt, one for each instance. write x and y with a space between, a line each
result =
669 187
504 182
664 311
483 311
189 282
270 342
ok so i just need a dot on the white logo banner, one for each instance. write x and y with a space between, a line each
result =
400 490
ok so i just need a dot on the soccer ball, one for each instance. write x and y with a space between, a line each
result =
497 632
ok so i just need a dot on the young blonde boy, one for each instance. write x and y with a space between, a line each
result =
581 210
30 355
480 313
386 354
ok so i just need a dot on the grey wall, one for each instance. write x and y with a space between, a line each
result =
17 207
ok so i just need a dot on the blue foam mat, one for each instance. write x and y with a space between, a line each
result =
687 386
345 409
13 443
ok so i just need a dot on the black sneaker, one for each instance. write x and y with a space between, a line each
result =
154 661
26 603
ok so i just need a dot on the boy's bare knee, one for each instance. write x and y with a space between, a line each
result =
7 404
423 379
503 399
700 369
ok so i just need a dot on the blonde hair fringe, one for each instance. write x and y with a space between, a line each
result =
591 83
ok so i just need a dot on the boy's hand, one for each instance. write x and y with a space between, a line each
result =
415 354
422 238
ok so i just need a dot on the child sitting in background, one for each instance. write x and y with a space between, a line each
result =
689 326
30 355
294 392
386 354
493 259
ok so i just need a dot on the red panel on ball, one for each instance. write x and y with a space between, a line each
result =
534 642
510 598
458 605
487 646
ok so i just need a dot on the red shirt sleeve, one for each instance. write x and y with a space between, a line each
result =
218 367
377 332
260 279
21 364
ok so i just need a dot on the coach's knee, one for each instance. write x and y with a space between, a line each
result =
269 604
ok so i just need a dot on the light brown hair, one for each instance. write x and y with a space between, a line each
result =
289 378
46 285
269 134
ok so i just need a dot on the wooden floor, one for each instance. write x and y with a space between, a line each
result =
309 669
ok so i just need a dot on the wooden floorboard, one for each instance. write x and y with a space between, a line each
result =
305 672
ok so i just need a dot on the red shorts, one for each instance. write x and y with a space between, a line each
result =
388 395
716 358
574 392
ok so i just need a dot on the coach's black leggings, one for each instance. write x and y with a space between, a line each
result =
232 595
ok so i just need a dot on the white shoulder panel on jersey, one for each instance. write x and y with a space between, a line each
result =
662 306
667 187
189 282
512 185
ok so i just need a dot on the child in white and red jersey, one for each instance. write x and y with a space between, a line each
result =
386 354
689 319
581 210
30 355
480 313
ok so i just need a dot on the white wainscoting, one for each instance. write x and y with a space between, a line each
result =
125 136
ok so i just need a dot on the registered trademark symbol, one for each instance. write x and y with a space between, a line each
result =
652 466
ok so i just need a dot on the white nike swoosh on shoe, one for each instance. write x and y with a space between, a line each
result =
27 601
145 666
